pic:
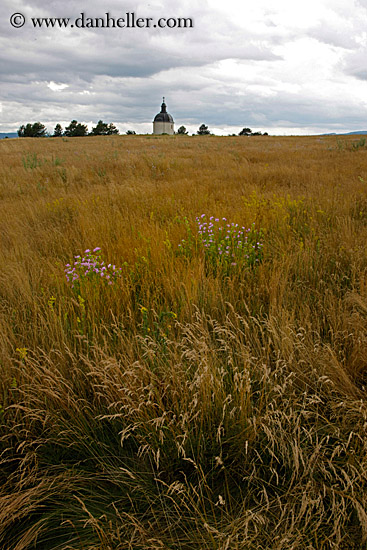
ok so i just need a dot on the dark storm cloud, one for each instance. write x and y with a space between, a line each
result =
62 54
123 60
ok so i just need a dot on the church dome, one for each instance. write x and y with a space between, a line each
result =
163 116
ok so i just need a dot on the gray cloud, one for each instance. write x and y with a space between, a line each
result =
232 71
355 63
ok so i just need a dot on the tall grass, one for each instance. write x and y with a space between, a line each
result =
194 402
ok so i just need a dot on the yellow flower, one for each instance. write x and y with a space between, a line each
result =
22 353
81 303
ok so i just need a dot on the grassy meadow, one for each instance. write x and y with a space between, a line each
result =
167 390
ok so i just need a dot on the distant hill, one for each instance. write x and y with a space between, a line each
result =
8 135
360 132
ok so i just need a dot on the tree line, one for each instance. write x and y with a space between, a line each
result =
77 129
204 131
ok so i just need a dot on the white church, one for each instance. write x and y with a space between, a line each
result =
163 122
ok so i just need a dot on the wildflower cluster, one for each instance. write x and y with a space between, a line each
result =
228 244
91 267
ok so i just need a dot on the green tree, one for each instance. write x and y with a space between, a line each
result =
203 131
76 129
245 132
182 130
112 130
104 129
58 130
130 133
25 131
32 130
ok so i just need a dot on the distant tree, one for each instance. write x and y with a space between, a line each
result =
58 131
104 129
245 132
76 129
39 130
25 131
256 133
130 133
203 131
265 134
182 130
32 130
100 129
112 130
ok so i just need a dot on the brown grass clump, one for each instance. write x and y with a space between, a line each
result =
192 403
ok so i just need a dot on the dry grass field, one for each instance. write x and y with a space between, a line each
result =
175 397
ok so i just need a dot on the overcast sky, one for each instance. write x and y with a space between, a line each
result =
281 66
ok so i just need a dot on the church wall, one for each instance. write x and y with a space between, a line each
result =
163 128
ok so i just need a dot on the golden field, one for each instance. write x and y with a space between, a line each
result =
186 405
